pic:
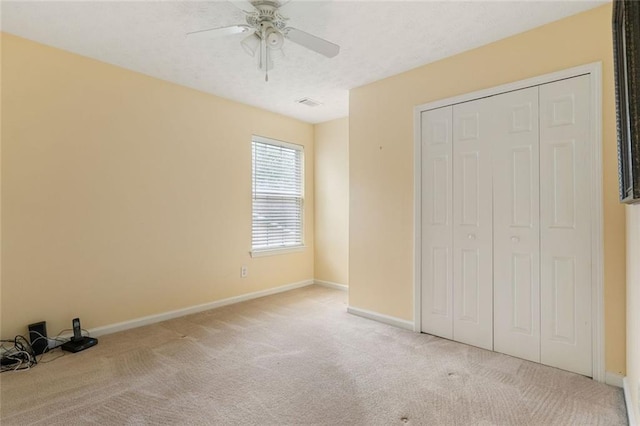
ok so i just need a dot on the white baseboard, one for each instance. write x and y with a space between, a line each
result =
330 284
631 412
613 379
396 322
152 319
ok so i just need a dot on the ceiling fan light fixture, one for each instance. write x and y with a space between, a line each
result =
250 44
268 31
275 39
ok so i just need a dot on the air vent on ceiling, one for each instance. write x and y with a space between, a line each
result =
308 102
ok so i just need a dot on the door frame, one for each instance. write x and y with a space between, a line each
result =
594 70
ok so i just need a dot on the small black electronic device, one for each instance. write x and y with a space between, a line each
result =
7 361
38 337
77 330
78 342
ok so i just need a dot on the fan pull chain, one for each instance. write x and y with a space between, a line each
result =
266 67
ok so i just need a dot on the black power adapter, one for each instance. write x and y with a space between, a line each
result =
38 337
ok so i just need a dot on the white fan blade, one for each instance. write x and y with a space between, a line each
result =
312 42
243 5
220 31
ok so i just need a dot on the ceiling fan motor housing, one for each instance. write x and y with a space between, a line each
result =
266 13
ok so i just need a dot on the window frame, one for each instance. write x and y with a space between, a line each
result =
276 250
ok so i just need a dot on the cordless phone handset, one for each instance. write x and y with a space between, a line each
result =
77 331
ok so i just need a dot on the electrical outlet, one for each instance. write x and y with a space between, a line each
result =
243 272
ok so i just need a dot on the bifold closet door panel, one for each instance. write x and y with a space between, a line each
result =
472 224
516 224
565 235
437 218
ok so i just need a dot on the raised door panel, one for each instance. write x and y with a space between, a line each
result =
470 285
516 204
565 188
437 245
472 224
470 188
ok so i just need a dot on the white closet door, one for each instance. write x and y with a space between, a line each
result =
472 224
516 224
565 275
437 243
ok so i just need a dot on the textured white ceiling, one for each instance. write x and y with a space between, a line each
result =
377 38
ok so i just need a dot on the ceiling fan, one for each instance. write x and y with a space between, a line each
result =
268 29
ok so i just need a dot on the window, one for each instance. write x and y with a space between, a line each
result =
277 195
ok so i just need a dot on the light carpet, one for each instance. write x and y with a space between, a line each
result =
297 358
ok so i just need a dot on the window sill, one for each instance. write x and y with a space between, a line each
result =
273 252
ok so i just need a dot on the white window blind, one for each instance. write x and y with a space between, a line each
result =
277 194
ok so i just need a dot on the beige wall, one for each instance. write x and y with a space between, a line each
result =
332 201
381 160
633 307
1 182
125 196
